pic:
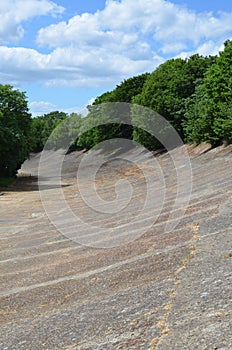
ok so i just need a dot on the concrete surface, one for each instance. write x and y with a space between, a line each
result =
160 291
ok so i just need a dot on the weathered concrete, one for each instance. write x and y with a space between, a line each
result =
161 291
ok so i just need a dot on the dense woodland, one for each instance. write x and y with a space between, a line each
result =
194 95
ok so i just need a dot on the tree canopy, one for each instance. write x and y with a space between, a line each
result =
193 94
167 88
125 91
15 123
209 110
42 127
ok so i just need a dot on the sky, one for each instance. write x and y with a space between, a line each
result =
65 53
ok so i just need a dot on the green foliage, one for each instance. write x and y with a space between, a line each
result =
105 121
5 182
194 95
15 124
209 111
42 128
167 89
97 134
123 93
65 135
143 130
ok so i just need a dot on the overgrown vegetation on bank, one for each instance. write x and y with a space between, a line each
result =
194 95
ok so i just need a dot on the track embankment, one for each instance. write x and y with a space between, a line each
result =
161 290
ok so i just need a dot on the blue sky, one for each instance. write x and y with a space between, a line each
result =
64 53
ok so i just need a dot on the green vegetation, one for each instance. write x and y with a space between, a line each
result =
113 127
4 182
42 127
15 124
167 89
194 95
208 114
124 92
105 123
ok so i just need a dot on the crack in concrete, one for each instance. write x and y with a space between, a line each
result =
162 323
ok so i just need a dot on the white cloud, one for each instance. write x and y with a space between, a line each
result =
126 38
209 48
39 108
137 21
14 12
206 49
69 66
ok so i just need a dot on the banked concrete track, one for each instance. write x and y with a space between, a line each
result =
160 291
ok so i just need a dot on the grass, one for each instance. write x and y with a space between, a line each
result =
4 182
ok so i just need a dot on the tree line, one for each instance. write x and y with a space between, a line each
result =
193 94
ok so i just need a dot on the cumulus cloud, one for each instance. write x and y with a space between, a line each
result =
126 22
206 49
14 12
39 108
209 48
126 38
69 66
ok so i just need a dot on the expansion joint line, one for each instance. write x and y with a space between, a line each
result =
162 323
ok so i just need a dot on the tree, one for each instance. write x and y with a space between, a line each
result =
105 121
166 91
123 93
209 112
66 134
42 128
15 122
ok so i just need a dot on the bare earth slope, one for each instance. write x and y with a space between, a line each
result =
160 291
